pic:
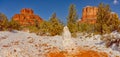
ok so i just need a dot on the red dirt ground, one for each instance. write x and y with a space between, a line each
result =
82 53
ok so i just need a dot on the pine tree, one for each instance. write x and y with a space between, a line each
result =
55 27
3 22
71 20
103 15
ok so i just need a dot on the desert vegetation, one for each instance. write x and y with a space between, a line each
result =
28 35
106 23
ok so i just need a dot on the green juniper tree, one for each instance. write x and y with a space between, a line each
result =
103 16
71 20
114 22
55 27
44 27
106 20
3 22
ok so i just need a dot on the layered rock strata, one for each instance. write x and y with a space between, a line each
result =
27 17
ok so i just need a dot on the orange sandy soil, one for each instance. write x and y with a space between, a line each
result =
81 53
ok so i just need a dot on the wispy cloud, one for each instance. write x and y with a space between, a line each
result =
115 2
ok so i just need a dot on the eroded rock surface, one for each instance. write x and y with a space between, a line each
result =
89 14
27 17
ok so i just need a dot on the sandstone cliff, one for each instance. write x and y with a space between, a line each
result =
26 17
89 14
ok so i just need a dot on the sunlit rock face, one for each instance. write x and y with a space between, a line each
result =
27 11
27 17
68 43
89 14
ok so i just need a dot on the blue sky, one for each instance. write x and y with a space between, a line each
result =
45 8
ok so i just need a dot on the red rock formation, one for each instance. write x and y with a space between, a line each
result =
26 17
26 11
89 14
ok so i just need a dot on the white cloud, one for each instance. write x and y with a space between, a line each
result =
115 1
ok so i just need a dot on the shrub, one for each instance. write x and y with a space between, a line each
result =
14 25
3 22
110 40
55 27
43 28
32 29
85 27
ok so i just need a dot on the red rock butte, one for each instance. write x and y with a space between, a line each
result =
27 17
89 14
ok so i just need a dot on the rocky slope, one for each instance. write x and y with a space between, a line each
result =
24 44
